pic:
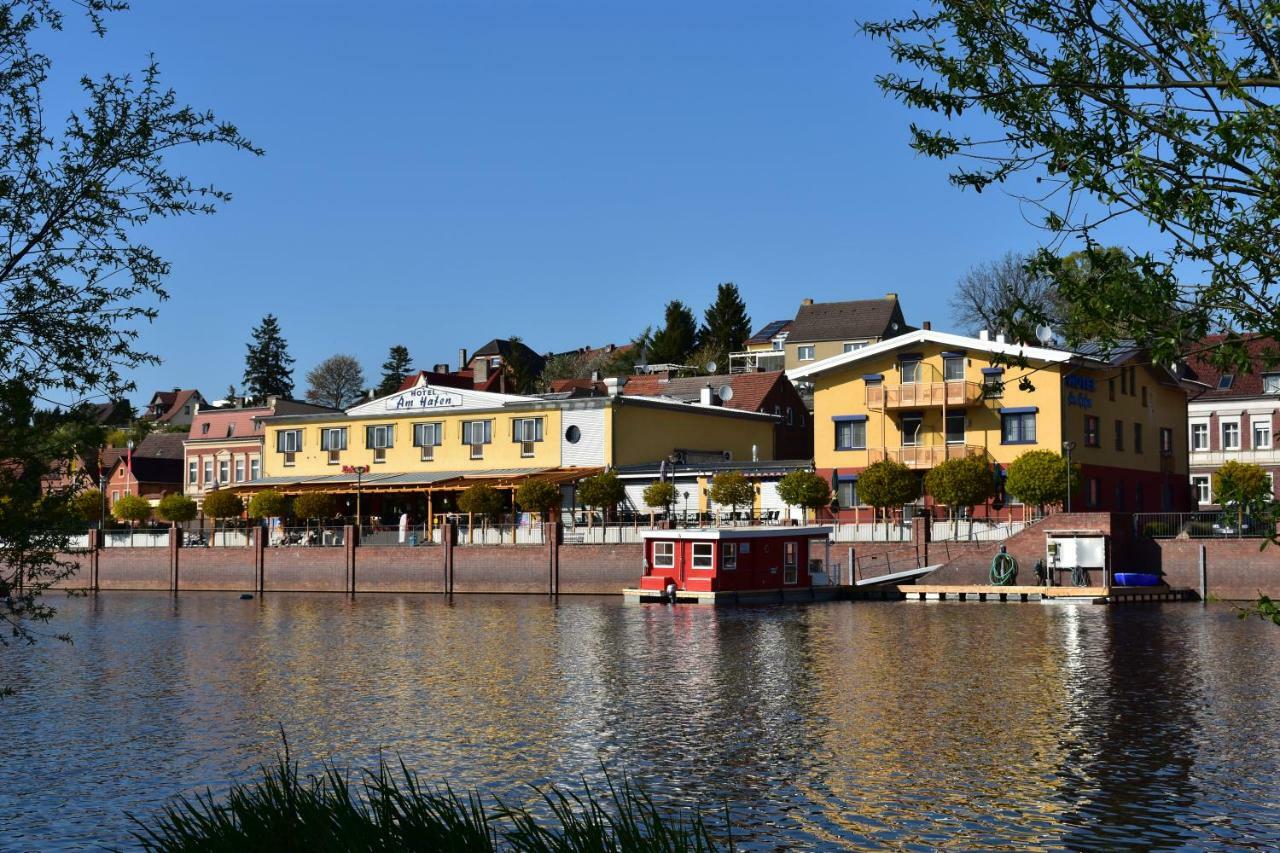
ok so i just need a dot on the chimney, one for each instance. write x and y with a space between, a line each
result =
927 325
440 368
984 335
462 358
595 376
1000 337
707 397
891 296
482 371
613 386
271 401
806 301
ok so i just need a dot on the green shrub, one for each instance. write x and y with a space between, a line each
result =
315 505
223 505
176 508
482 500
268 504
131 508
539 496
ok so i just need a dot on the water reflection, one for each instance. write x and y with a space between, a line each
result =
860 725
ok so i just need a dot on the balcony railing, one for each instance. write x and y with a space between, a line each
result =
923 395
924 456
1256 456
761 360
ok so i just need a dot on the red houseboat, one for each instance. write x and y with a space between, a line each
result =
728 564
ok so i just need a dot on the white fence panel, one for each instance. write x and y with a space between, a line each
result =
140 539
964 530
872 533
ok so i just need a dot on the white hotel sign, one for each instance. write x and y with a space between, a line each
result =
424 397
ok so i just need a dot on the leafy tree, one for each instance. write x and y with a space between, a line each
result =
660 494
677 338
231 394
604 492
732 489
960 483
397 366
336 382
540 496
1244 489
223 504
887 484
268 367
482 500
268 503
726 324
87 505
319 505
1163 111
804 489
519 370
131 508
177 508
993 291
1039 478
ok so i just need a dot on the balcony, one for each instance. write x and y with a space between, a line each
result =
924 456
924 395
760 360
1254 456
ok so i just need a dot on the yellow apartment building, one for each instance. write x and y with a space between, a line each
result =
413 451
927 396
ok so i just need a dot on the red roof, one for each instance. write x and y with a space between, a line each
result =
1242 384
173 401
749 389
228 423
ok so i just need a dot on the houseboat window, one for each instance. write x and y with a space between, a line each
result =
851 435
953 369
1018 428
703 558
729 556
428 437
664 555
790 562
1199 436
910 370
1091 431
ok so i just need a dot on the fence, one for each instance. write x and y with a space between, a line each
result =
893 532
148 538
974 530
885 563
1215 524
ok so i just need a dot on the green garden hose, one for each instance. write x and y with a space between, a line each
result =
1003 569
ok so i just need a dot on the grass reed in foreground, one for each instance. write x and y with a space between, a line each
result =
385 809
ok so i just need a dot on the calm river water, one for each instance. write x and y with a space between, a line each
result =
861 725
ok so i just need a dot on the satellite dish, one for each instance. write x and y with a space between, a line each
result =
725 392
711 367
1044 333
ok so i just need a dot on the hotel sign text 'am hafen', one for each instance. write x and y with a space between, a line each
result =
423 397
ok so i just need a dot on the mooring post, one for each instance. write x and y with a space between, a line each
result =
95 548
174 544
1204 575
851 581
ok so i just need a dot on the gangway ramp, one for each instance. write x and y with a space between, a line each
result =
897 577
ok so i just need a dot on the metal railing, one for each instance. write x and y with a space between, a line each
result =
306 537
1214 524
886 563
924 455
974 530
923 395
868 532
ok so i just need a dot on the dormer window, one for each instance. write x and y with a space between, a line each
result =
1225 381
204 429
1271 383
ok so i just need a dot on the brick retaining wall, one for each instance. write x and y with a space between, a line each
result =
398 568
304 569
217 568
600 569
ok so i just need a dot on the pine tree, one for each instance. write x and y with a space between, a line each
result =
727 324
268 367
397 366
677 338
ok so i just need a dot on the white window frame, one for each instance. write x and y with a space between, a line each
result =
664 555
193 472
917 439
851 346
1261 428
790 562
703 555
948 362
224 471
255 469
289 441
1271 383
528 432
911 377
427 436
806 352
1222 428
239 469
964 428
1203 485
729 556
1200 436
207 466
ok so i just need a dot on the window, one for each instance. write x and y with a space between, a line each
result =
1139 498
1271 383
703 556
805 353
1119 498
231 429
1200 483
910 370
476 434
790 562
729 556
379 439
1017 427
1119 435
1092 431
776 344
224 471
573 435
1124 381
208 471
851 435
1225 380
791 416
204 428
1261 435
1199 436
1133 381
847 493
955 428
115 496
953 369
993 384
1111 390
333 441
1137 438
850 346
255 468
239 469
427 437
664 555
1230 435
1092 492
1166 441
912 426
289 441
193 471
1144 395
526 431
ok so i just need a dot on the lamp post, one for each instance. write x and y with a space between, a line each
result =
1067 447
686 509
359 471
102 494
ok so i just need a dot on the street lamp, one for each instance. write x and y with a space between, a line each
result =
686 508
359 471
1067 447
102 493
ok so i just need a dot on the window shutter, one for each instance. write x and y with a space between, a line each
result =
537 429
390 432
517 430
488 431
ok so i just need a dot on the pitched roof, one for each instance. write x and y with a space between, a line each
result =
1242 385
112 413
749 389
173 401
151 469
455 379
858 318
160 445
240 423
771 330
505 348
928 335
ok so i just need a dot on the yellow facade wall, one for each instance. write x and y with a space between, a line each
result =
636 433
451 455
1140 397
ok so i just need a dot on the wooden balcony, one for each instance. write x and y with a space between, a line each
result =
924 395
925 455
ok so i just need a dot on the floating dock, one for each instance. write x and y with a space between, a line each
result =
736 596
1043 594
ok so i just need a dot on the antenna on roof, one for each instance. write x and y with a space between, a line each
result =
1044 333
725 392
711 367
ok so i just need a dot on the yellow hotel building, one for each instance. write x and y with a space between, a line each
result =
423 445
927 396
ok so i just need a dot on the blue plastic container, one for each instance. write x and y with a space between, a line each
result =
1136 579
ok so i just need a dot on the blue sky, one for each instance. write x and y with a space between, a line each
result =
441 173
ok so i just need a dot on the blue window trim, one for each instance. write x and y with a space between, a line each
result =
855 419
844 418
1020 410
993 371
910 356
873 377
955 354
